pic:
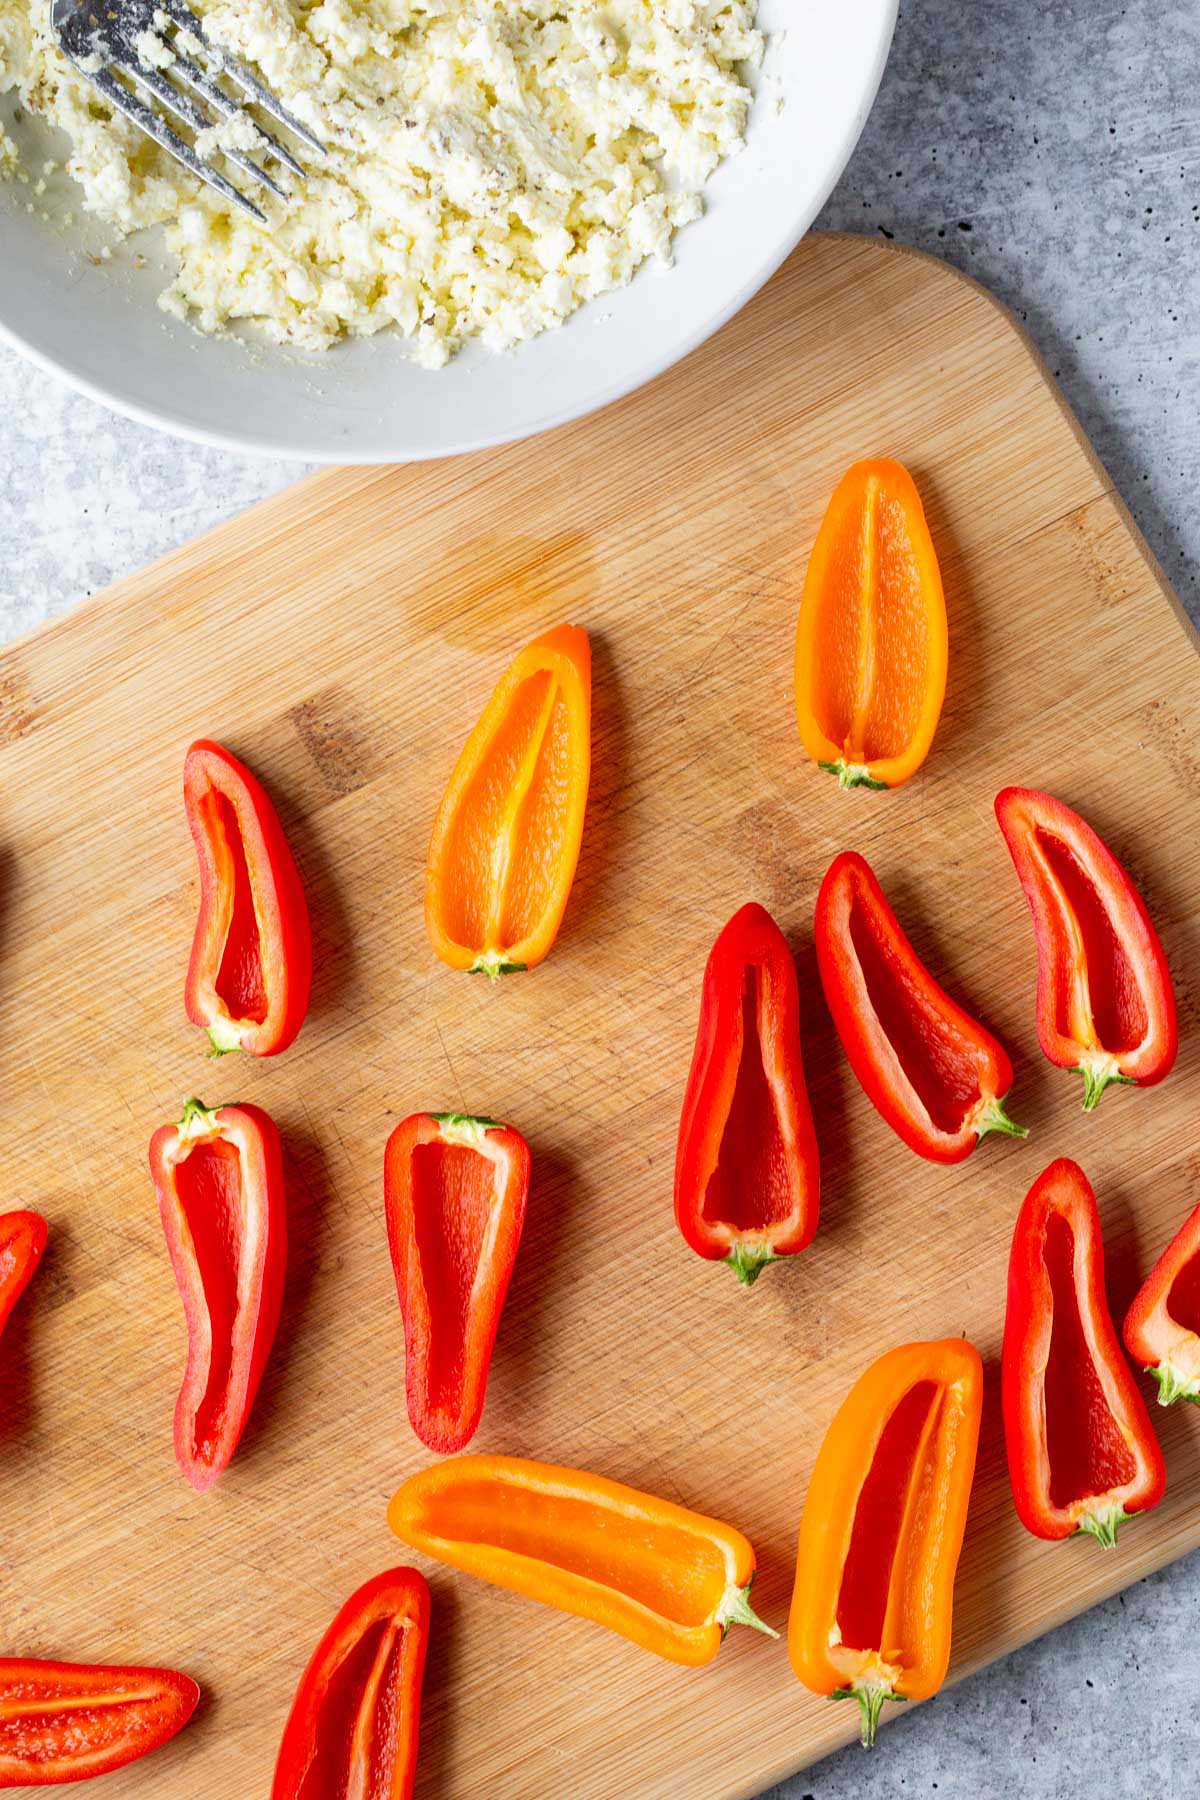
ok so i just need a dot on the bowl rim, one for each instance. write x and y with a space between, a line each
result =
165 419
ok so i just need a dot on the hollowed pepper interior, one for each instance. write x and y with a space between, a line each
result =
751 1185
939 1065
1087 1452
676 1573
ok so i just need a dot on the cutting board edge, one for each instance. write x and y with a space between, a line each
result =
1050 382
354 474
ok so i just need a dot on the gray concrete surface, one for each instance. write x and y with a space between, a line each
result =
1053 151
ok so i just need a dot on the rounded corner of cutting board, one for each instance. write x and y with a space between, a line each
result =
950 276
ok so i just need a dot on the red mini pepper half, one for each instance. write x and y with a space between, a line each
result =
251 967
1106 1006
219 1180
62 1722
1162 1327
22 1240
937 1076
353 1728
1082 1454
747 1169
454 1193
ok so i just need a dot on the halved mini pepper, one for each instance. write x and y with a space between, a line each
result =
1106 1007
507 834
747 1169
871 640
937 1076
22 1240
250 972
1082 1454
454 1194
219 1179
882 1529
353 1729
62 1722
1162 1327
667 1579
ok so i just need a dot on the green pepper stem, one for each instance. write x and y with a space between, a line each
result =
1104 1524
852 775
1173 1385
461 1128
993 1117
870 1694
224 1035
735 1609
749 1260
1096 1079
197 1119
494 964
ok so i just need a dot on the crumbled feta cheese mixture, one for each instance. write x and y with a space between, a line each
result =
491 164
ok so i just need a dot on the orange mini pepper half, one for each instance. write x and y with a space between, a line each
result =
667 1579
22 1239
1162 1327
1082 1454
507 834
871 640
353 1730
882 1529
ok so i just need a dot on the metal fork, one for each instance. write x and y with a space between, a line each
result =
100 37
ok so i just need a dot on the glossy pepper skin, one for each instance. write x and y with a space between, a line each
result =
1162 1327
507 833
250 972
63 1722
1082 1454
219 1180
22 1240
667 1579
353 1729
882 1529
934 1073
455 1190
747 1168
871 639
1105 1002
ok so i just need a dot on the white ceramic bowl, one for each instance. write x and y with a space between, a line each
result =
97 324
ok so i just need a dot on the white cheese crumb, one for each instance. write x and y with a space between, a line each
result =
152 52
492 164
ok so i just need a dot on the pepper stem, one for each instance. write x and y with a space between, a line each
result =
1096 1077
735 1609
461 1128
992 1117
870 1693
224 1035
852 775
1173 1384
494 964
1103 1524
197 1119
749 1260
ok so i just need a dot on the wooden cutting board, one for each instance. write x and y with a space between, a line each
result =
342 639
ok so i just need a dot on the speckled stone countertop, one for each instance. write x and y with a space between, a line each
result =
1050 149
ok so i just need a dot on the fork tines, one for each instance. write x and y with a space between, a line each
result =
100 43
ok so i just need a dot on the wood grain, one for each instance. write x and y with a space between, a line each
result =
342 639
